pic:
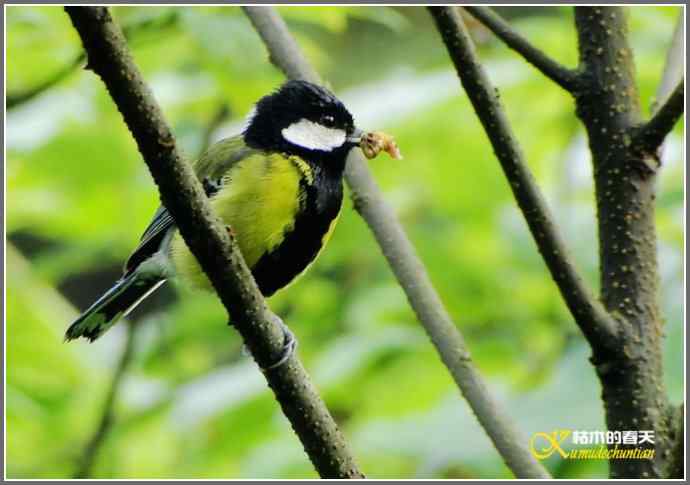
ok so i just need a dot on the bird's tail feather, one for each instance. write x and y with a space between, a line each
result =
116 303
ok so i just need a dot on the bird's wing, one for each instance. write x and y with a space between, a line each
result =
151 239
211 168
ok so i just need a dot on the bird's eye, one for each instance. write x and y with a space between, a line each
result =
328 120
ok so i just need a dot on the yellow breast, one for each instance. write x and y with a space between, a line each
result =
259 200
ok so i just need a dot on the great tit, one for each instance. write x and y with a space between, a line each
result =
278 186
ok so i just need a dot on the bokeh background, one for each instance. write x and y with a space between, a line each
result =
191 404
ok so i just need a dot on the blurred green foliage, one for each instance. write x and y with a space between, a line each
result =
192 405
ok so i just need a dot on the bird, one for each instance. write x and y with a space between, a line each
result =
278 186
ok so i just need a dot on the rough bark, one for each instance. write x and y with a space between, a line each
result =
407 267
208 239
608 105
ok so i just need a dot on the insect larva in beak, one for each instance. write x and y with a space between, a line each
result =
375 142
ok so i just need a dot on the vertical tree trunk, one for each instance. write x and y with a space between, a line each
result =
607 103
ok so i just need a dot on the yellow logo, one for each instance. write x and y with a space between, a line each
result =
543 445
607 444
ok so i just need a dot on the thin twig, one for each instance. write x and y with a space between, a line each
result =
649 137
218 117
409 270
94 444
17 98
596 324
674 67
561 75
211 243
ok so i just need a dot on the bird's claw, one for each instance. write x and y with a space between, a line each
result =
289 346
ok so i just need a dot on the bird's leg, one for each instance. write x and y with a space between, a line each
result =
289 345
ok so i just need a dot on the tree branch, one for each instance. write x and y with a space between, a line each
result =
108 413
597 325
649 137
561 75
409 270
213 246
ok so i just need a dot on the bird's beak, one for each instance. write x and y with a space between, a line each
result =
356 136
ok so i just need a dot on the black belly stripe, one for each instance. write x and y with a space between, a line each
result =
276 269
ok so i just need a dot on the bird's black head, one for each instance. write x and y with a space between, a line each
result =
303 119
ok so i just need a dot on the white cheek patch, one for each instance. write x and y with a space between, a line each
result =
313 136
